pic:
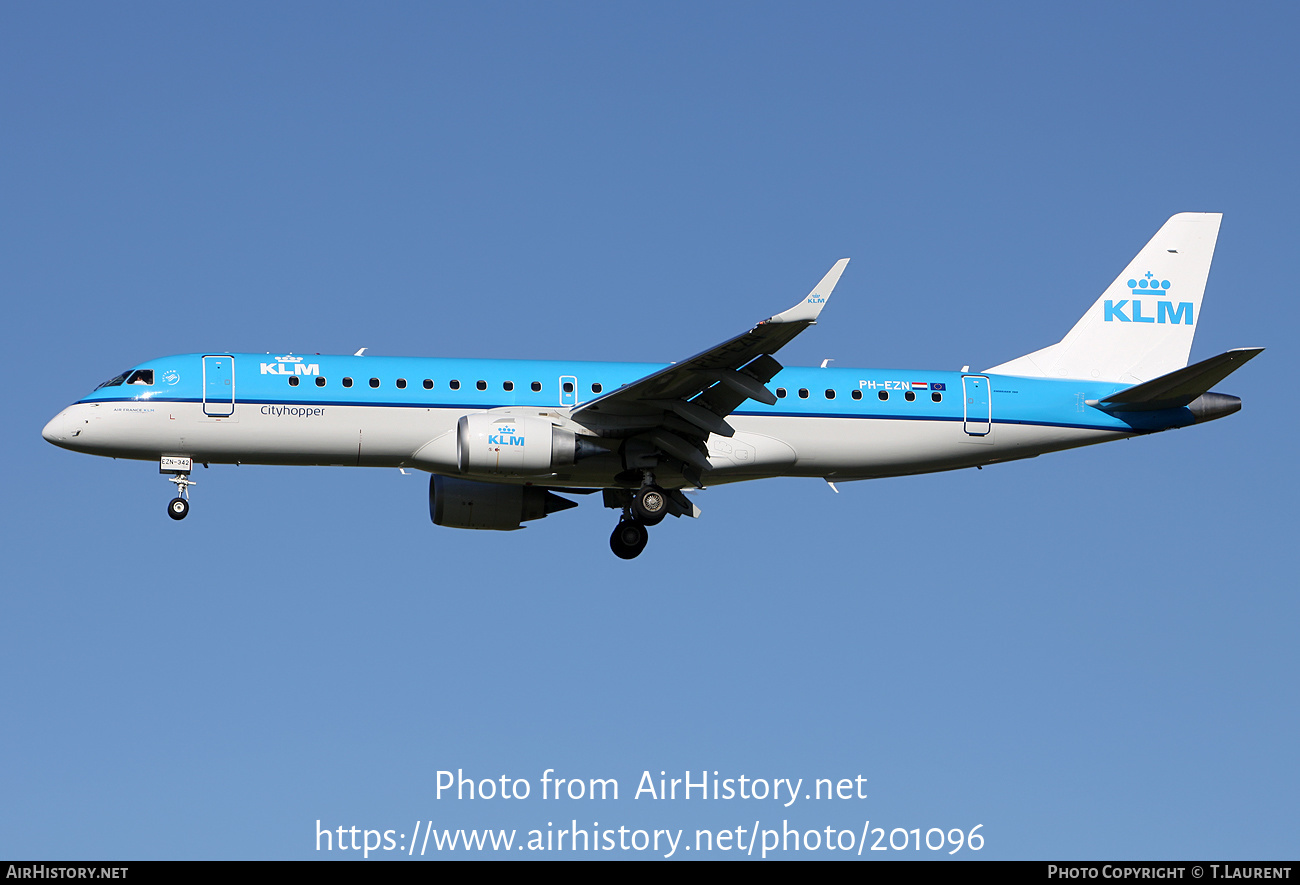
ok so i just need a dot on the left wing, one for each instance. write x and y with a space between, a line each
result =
678 407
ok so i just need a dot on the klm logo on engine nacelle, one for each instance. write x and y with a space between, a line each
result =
1166 311
282 364
505 436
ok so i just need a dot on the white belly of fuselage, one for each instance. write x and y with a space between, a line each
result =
425 439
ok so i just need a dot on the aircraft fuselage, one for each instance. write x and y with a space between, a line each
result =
372 411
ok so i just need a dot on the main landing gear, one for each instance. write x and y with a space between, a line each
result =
629 538
648 507
179 507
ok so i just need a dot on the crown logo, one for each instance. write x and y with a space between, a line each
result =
288 359
1147 284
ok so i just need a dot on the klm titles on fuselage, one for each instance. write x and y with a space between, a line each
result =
1166 312
282 364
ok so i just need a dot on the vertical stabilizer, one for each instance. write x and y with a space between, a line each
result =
1142 325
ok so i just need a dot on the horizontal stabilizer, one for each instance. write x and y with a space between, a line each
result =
1179 387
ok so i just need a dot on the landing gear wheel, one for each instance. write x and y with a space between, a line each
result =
179 507
650 505
629 539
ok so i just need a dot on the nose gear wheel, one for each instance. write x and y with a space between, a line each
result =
179 507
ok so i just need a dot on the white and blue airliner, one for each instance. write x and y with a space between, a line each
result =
500 438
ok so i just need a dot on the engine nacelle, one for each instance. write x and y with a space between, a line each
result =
513 445
466 504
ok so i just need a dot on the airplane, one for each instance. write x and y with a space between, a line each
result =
501 439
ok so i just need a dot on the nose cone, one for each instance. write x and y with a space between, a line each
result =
61 430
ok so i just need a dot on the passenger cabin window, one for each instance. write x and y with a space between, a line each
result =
374 382
910 397
537 387
780 393
481 385
320 380
857 394
454 384
596 388
401 383
830 394
568 387
428 384
293 380
936 397
507 386
884 395
803 393
347 382
141 376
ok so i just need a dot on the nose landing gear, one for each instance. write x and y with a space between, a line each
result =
178 507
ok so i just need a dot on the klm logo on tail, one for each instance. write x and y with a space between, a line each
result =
1165 312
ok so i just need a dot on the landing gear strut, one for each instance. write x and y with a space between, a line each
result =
646 507
179 507
629 538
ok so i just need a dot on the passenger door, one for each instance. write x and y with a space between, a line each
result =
219 386
978 405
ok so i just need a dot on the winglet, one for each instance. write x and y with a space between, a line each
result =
806 311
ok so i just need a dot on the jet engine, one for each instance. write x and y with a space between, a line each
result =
466 504
517 445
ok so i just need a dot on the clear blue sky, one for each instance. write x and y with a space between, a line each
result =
1092 654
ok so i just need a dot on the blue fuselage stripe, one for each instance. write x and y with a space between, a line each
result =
263 380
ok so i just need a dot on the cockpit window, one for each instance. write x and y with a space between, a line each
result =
114 382
141 376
